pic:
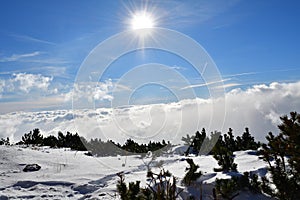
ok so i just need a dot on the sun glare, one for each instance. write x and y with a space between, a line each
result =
141 21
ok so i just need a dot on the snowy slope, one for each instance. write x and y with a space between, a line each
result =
67 174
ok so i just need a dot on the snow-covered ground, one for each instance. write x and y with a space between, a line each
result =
67 174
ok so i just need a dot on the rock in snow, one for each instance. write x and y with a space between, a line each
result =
31 168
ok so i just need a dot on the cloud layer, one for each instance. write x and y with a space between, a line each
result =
258 108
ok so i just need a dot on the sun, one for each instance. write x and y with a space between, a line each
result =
142 20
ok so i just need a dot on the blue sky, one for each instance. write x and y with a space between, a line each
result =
43 44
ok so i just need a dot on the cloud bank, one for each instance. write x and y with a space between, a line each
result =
258 108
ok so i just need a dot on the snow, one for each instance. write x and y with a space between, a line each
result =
67 174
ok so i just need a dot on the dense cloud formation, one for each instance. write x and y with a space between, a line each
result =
25 83
258 108
92 91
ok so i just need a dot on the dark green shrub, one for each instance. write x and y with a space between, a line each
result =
50 141
133 191
246 142
4 141
196 144
191 174
33 137
224 156
161 186
188 139
227 188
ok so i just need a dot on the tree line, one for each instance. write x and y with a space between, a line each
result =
220 146
96 146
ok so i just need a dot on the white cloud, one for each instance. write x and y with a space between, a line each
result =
23 83
258 108
92 91
16 57
27 82
2 87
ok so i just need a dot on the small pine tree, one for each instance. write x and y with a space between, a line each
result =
248 141
250 181
133 191
265 186
188 139
162 186
191 174
61 139
196 143
228 188
255 184
224 156
4 141
230 141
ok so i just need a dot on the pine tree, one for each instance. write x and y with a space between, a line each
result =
284 149
162 186
4 141
188 139
197 142
33 137
229 141
133 191
61 139
50 141
224 156
191 174
228 188
248 141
